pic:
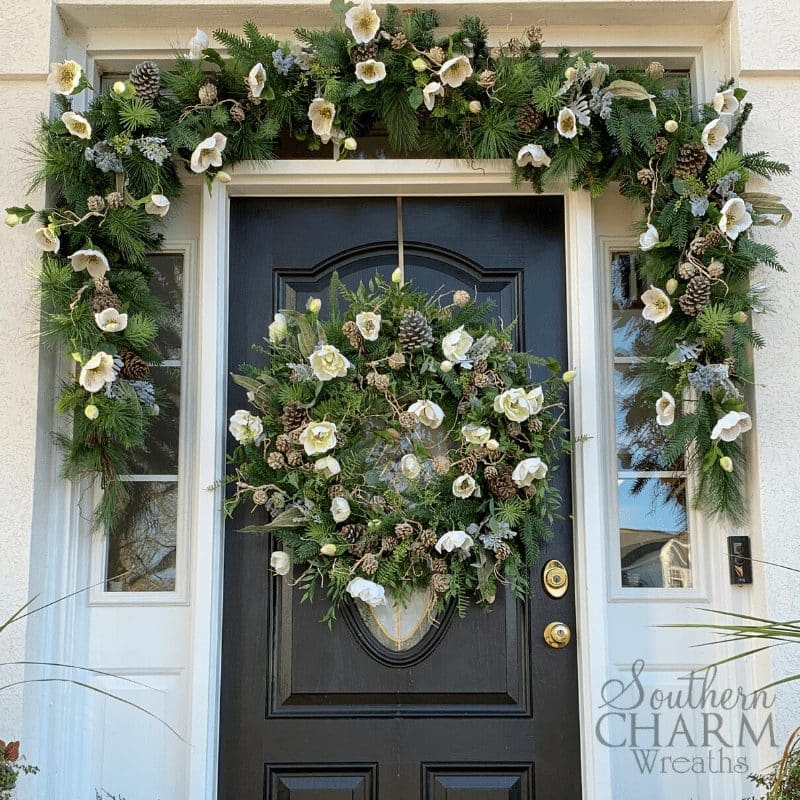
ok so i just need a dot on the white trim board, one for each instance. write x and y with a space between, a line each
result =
405 177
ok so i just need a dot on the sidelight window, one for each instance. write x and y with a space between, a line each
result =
654 543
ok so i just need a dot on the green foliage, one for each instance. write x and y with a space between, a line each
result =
512 98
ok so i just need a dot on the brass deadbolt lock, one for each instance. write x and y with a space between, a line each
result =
557 635
555 579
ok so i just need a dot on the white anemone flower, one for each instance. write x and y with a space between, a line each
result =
111 321
369 325
369 592
93 261
64 77
197 44
649 239
429 94
464 486
456 345
340 509
318 437
567 123
281 562
410 466
665 409
731 426
725 102
714 137
533 154
328 363
77 125
370 71
278 328
455 540
97 372
256 80
47 240
529 470
209 152
455 71
427 413
328 466
245 427
321 112
735 218
657 305
363 22
158 205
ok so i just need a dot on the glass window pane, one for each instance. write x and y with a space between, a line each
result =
167 285
654 540
141 555
160 456
640 439
631 333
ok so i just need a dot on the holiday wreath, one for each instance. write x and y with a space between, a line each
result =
114 167
402 446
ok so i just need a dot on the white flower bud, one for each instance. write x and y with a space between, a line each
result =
570 73
12 220
492 444
397 276
740 317
223 177
419 64
671 286
91 411
313 304
350 143
569 375
446 366
475 106
328 549
280 562
670 126
119 87
726 463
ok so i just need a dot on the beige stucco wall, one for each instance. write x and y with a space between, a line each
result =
764 44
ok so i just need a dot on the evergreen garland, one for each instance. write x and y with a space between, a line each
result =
114 169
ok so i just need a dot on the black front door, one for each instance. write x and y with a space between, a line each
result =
481 707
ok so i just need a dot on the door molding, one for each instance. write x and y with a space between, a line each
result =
407 177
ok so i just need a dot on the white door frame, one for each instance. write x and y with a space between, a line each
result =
584 298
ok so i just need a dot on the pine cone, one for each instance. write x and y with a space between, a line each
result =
363 52
294 458
535 424
369 564
283 443
408 420
504 347
403 530
715 270
711 239
655 69
207 94
645 176
480 380
399 41
237 112
276 460
489 456
350 330
438 566
437 55
101 300
294 415
696 296
686 270
337 490
134 368
95 203
388 543
440 583
661 145
468 464
487 78
500 483
146 79
691 160
353 531
427 538
115 199
260 497
396 361
414 331
513 428
502 551
442 464
534 34
358 548
380 382
529 118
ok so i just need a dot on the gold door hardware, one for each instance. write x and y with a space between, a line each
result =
555 578
557 635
